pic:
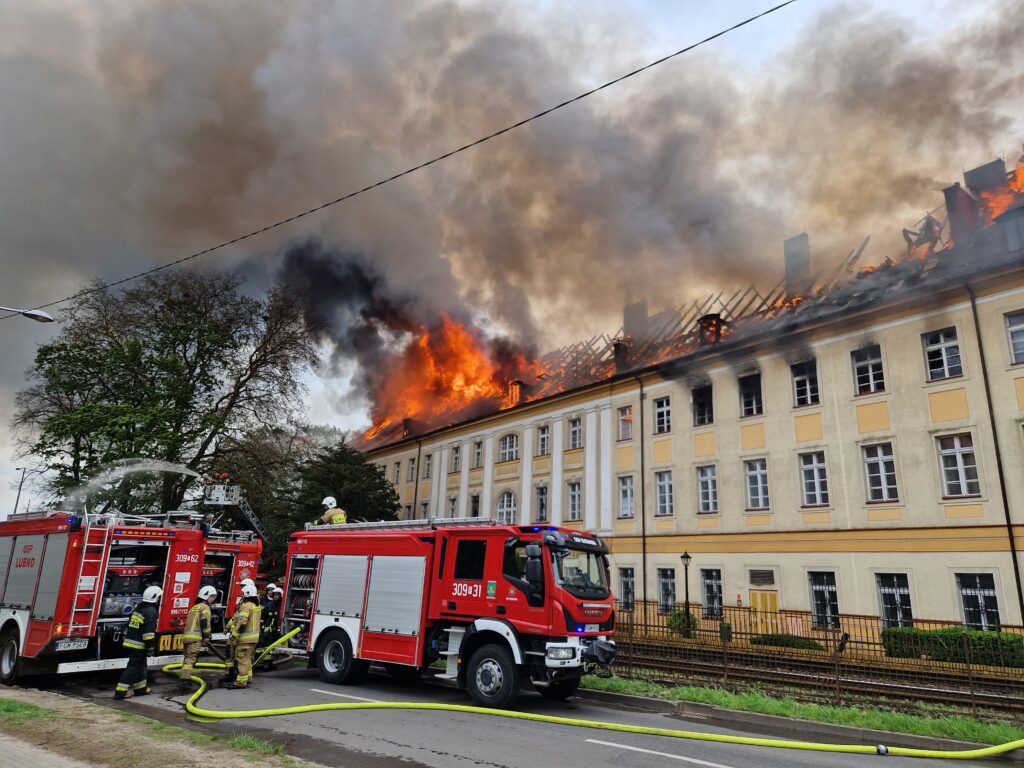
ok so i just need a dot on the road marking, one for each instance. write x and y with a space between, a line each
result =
345 696
659 754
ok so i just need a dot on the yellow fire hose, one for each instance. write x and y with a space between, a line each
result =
191 706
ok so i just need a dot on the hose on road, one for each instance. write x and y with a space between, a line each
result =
193 708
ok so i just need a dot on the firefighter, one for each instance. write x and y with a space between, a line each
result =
333 514
138 640
271 612
197 634
244 634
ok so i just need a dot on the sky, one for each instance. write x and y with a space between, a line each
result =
133 134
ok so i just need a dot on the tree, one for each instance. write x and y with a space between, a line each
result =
169 369
359 487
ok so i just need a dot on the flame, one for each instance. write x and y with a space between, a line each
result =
998 201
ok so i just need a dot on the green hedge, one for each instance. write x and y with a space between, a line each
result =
681 622
957 644
787 641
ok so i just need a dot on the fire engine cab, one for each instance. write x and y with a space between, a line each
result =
230 556
69 583
498 602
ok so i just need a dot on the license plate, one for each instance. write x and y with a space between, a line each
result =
75 644
593 628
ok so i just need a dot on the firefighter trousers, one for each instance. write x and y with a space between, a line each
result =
133 679
192 648
243 663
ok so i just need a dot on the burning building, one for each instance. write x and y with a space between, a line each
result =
845 442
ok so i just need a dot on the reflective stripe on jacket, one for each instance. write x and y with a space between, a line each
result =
197 624
141 627
245 625
334 516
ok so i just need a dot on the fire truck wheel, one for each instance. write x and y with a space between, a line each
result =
493 677
9 657
334 660
561 690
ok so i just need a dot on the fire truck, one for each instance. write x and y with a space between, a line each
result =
68 584
500 603
229 557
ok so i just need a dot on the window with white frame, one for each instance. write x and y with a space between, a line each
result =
1015 330
575 434
666 589
662 415
711 579
408 511
867 369
507 508
398 472
575 501
707 490
751 403
541 512
627 501
894 598
453 506
543 440
428 461
478 454
959 469
411 474
625 422
815 480
663 487
942 351
508 447
627 588
474 505
424 509
756 471
805 383
456 458
703 406
824 599
979 600
880 471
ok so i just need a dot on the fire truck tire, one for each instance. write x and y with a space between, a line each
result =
9 657
334 660
561 690
492 677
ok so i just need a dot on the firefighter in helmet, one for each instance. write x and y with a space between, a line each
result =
197 634
333 514
243 635
138 640
271 613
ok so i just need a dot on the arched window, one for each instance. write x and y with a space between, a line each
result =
508 448
507 508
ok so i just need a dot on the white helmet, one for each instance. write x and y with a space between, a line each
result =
329 502
278 591
152 594
247 583
271 587
207 592
249 590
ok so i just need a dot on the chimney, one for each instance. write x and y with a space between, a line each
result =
709 330
406 427
963 212
620 347
797 254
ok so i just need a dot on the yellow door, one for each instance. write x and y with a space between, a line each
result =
764 605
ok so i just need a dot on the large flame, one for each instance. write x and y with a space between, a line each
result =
998 201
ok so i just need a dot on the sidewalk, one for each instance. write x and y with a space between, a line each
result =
15 753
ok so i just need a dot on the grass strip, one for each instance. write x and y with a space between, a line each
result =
250 743
944 727
16 712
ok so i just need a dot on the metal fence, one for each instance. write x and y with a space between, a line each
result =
837 659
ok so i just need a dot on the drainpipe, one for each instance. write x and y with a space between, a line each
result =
416 480
999 454
643 507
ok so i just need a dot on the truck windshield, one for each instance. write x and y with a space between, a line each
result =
582 573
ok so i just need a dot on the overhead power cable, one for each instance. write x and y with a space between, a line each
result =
414 168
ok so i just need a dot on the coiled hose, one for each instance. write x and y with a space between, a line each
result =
193 708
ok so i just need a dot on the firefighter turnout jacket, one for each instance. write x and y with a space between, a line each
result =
141 627
197 624
244 626
334 516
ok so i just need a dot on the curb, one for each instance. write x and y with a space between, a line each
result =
784 725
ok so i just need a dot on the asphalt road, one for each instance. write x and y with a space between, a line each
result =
379 739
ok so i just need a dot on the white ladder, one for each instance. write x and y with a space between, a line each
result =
451 670
83 617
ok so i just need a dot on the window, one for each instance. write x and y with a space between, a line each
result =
815 481
453 506
575 434
424 509
959 470
943 354
456 458
626 422
411 474
627 589
427 461
513 562
867 370
805 383
757 483
507 508
707 490
542 504
1015 329
978 597
824 600
508 448
408 511
575 503
663 483
543 440
880 468
469 560
712 581
703 406
627 501
398 471
662 415
474 505
666 589
750 395
894 597
478 454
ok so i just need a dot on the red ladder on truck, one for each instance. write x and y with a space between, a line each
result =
89 586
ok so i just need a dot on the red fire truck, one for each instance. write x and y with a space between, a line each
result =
68 584
498 602
230 556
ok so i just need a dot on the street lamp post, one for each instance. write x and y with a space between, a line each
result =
686 557
17 499
32 314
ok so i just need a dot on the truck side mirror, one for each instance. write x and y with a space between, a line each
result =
535 572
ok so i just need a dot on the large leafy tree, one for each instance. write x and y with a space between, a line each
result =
170 369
